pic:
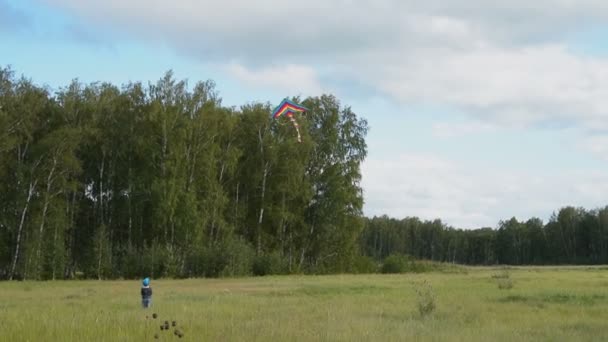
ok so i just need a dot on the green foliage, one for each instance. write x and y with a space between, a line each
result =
267 264
108 182
364 265
571 236
425 298
172 263
502 274
505 283
4 252
503 279
130 263
232 257
557 304
398 263
162 179
395 264
240 255
100 259
213 261
152 261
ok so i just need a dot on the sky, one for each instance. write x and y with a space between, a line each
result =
479 111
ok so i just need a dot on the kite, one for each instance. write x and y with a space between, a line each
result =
288 108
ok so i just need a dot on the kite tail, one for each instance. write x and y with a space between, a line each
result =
295 124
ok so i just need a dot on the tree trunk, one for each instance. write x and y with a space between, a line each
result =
49 184
72 236
290 249
236 205
101 170
261 217
312 229
20 230
100 255
54 252
40 237
172 222
130 205
283 225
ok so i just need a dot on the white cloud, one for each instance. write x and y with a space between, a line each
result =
472 196
502 62
514 16
294 79
450 130
598 145
509 86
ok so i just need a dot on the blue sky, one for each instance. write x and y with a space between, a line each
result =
478 112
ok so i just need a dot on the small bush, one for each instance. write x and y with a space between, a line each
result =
426 299
504 273
267 264
503 279
505 283
423 266
239 254
206 261
214 261
152 261
395 264
364 265
172 262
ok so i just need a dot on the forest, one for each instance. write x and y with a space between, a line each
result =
572 236
161 179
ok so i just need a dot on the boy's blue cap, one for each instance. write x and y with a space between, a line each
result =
146 281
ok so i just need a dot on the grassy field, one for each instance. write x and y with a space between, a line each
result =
544 304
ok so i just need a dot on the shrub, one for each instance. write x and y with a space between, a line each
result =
231 257
205 261
267 264
503 279
426 299
364 265
214 260
504 273
147 262
172 263
395 264
240 256
505 283
422 266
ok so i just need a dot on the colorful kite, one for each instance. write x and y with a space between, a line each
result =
288 108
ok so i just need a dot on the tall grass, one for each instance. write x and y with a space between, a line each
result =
426 299
546 305
503 279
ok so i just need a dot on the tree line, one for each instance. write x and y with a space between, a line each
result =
571 236
163 180
100 181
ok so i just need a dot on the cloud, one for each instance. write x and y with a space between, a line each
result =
597 145
334 26
255 32
472 196
291 78
450 130
523 86
500 62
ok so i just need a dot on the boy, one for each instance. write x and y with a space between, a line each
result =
146 293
